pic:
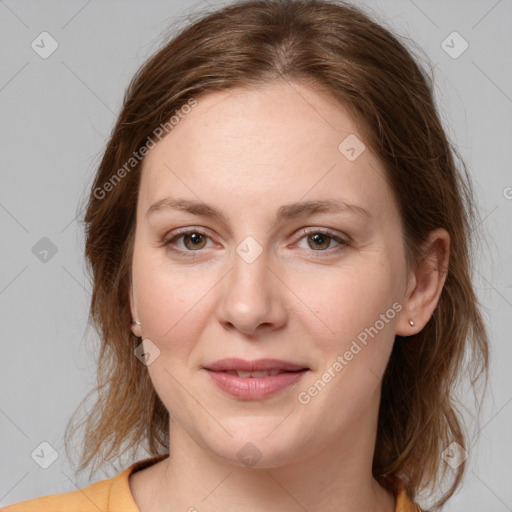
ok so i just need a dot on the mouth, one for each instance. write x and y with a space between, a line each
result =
263 373
256 366
254 380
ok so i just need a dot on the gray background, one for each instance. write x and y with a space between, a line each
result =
56 116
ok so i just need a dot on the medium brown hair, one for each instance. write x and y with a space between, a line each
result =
338 48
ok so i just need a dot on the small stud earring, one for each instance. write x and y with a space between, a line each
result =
136 323
411 323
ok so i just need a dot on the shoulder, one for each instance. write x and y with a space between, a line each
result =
94 497
111 495
403 502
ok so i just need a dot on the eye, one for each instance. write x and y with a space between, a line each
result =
193 240
319 240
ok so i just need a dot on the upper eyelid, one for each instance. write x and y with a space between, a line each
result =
185 231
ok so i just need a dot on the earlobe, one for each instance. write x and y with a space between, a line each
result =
135 324
426 285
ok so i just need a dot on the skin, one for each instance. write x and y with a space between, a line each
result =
247 152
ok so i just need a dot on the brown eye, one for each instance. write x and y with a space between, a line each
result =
194 241
322 242
319 241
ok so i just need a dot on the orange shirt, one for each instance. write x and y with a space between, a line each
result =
114 495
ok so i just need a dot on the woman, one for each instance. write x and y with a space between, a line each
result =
279 239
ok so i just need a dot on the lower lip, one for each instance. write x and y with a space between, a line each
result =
254 388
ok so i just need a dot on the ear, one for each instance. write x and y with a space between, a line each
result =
136 329
425 283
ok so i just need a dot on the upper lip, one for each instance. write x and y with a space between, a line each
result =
232 364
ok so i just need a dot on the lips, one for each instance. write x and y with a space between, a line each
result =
259 365
254 380
263 373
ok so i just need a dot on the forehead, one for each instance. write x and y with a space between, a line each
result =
283 139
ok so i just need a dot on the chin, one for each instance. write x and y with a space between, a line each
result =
258 447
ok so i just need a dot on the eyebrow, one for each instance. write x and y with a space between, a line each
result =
285 212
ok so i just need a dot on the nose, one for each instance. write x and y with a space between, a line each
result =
253 298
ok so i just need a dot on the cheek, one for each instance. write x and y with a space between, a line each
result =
170 302
171 306
356 307
359 307
343 301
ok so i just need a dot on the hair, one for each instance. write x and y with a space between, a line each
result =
339 49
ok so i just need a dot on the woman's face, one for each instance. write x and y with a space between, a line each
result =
267 278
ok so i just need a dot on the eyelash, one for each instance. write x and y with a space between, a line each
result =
305 232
